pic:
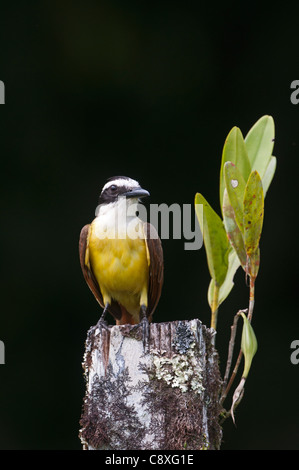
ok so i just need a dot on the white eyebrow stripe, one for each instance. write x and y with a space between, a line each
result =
122 182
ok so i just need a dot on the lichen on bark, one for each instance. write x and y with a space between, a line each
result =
166 398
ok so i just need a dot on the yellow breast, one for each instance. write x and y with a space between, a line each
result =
121 268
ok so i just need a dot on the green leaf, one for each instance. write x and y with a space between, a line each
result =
259 144
215 239
253 212
234 151
233 231
235 186
269 173
248 344
228 284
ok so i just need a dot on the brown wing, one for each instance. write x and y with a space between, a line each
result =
89 277
156 267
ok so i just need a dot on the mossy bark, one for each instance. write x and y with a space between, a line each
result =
163 398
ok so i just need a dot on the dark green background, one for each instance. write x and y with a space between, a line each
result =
149 90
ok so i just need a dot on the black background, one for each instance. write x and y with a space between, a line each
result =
149 90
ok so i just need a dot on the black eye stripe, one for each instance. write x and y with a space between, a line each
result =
113 191
117 189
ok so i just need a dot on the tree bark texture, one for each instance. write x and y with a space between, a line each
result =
164 397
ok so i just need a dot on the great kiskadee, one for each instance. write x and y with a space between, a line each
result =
121 256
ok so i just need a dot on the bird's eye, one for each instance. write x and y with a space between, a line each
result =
113 187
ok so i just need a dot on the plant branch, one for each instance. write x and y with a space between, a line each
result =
226 414
232 341
230 355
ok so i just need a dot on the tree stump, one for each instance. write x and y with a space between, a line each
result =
163 398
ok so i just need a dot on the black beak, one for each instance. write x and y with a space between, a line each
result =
138 192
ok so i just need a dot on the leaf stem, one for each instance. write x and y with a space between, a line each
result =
251 298
214 306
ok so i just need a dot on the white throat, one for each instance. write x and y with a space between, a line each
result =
118 219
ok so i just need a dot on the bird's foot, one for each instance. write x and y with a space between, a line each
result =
102 323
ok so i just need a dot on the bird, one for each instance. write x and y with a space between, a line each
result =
121 256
